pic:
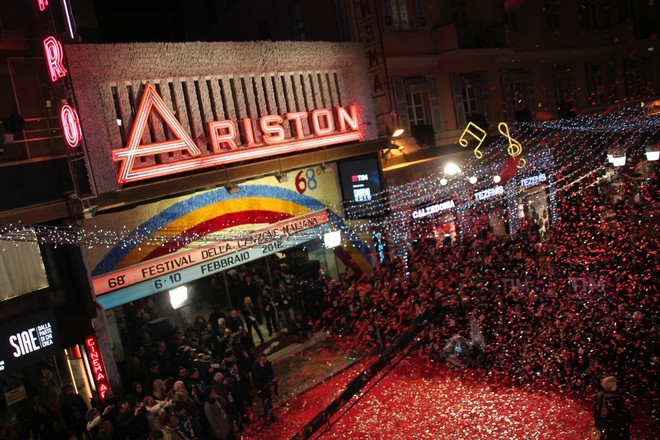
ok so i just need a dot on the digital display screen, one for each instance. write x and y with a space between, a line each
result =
362 187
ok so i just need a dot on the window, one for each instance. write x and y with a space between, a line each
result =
418 107
21 266
601 83
562 90
639 78
396 15
472 91
298 29
420 11
551 11
518 93
512 21
415 103
587 14
459 13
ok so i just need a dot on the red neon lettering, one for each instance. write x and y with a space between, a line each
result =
226 139
103 389
70 126
97 367
248 130
346 119
134 149
296 117
271 127
54 58
42 4
317 115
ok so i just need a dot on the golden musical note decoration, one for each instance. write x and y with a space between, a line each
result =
514 149
464 142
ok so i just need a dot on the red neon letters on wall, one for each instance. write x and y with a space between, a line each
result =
42 4
54 58
228 145
70 126
98 370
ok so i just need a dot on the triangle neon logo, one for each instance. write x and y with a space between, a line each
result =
149 102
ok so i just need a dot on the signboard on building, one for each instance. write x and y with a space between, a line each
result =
27 340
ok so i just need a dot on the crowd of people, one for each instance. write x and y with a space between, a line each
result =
561 309
562 306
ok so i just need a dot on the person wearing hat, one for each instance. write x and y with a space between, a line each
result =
216 415
611 415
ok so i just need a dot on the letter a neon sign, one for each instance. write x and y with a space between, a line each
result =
151 101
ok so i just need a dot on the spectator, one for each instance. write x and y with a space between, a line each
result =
611 415
74 411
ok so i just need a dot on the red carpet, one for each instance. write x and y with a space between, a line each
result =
420 401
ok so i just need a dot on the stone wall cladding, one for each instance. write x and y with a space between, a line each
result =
203 81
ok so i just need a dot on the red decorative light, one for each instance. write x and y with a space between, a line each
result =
54 58
325 128
42 4
98 369
70 126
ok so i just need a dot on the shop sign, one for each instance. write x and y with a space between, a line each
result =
97 367
157 268
489 193
433 209
230 141
534 180
15 395
28 340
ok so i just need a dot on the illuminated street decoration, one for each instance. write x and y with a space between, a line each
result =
225 137
480 137
70 126
514 149
97 367
54 58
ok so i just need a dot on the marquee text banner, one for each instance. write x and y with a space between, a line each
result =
197 271
158 267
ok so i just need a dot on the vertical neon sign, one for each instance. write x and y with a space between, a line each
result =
54 58
42 4
70 126
98 369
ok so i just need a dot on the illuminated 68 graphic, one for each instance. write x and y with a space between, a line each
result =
306 181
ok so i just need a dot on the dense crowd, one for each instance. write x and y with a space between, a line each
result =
562 308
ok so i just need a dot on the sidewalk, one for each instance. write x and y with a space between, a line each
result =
302 366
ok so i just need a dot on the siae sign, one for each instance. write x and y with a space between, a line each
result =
25 341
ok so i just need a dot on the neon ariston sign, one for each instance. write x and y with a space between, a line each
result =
230 141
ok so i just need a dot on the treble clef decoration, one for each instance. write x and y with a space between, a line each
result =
514 149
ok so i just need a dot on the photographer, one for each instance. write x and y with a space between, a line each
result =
132 423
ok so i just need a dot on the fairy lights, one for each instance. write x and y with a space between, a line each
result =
562 154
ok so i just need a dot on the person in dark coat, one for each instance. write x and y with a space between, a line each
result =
266 385
216 416
611 415
131 422
47 425
74 411
249 312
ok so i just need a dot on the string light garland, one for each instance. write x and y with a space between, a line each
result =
567 151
